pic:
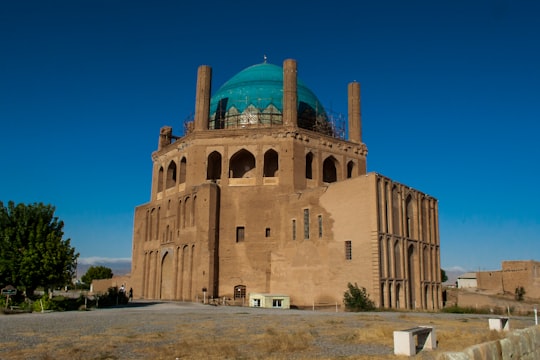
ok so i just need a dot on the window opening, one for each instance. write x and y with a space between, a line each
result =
213 169
271 163
294 229
277 303
319 219
256 303
306 224
348 250
350 168
329 170
171 175
160 179
240 292
240 230
242 165
309 168
267 232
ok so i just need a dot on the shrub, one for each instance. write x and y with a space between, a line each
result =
113 297
57 303
357 299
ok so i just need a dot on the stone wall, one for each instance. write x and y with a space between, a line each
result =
521 344
514 274
102 286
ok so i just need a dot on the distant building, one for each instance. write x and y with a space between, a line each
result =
467 280
261 195
514 274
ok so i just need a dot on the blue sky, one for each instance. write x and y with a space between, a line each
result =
450 103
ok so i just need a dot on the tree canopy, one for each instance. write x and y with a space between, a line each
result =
444 277
96 273
357 299
33 252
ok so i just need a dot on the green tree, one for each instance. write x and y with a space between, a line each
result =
32 251
444 277
357 299
96 273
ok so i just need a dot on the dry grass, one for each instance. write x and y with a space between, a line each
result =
249 336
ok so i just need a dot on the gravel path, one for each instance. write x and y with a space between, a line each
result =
150 330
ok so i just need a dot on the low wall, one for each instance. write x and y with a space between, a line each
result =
103 285
521 344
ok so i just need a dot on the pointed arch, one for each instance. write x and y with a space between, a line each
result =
409 217
187 212
167 277
271 163
213 169
330 173
242 164
193 210
183 171
425 263
309 165
395 211
160 179
350 169
171 175
412 278
397 260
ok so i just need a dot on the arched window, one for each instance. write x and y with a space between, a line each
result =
193 210
350 169
242 165
412 280
160 179
425 222
157 222
409 217
395 211
151 224
183 169
397 260
213 169
171 175
329 170
309 165
187 212
240 291
425 256
271 163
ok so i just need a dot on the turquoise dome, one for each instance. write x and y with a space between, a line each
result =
254 97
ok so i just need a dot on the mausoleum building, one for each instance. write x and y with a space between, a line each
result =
260 195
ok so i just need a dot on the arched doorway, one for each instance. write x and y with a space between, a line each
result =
167 277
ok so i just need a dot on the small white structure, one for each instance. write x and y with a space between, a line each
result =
499 324
269 301
467 280
406 344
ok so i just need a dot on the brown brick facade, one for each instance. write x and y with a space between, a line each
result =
276 208
514 274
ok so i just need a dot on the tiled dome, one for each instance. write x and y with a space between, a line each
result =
254 97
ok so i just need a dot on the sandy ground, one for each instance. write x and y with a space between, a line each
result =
173 330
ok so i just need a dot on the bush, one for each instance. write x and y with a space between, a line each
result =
357 299
58 303
113 297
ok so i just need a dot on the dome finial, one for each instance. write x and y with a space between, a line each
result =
264 58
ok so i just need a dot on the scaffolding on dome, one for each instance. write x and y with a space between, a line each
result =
329 123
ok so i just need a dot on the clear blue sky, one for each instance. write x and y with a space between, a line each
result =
450 103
